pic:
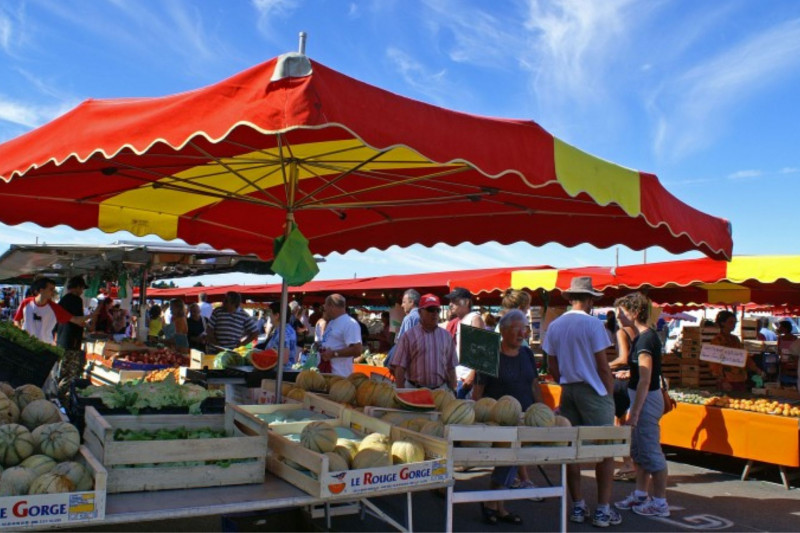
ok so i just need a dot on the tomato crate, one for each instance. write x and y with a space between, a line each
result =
317 479
134 466
44 510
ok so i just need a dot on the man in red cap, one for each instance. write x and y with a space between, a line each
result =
426 354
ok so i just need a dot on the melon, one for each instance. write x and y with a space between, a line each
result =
506 411
264 359
227 359
296 393
7 389
357 378
458 412
416 399
441 397
16 481
331 379
539 415
347 448
16 444
364 393
372 458
406 451
25 394
374 440
39 463
415 424
286 386
60 440
483 409
383 395
434 428
336 462
342 391
9 412
51 483
39 412
561 421
80 476
311 380
319 437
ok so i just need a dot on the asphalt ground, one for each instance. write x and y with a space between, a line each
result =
704 493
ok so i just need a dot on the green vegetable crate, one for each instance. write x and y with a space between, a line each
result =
145 465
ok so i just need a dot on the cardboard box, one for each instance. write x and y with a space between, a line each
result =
99 438
43 510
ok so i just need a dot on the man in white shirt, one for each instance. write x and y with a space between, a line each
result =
575 345
205 307
341 340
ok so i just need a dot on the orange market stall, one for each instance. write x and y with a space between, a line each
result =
293 153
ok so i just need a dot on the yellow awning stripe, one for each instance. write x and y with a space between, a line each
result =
534 279
764 268
606 182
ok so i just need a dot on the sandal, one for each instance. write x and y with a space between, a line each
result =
510 518
625 475
489 515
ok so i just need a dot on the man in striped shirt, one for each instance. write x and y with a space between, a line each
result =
426 354
229 326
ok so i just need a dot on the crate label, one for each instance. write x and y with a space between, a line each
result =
723 355
389 477
43 509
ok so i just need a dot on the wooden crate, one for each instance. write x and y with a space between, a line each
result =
671 368
522 445
320 481
199 360
99 438
71 508
380 412
248 422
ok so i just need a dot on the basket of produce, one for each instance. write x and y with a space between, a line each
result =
24 358
149 360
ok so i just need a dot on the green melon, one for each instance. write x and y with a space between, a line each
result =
483 409
51 483
60 440
227 359
374 440
372 458
357 378
342 391
364 393
441 397
9 412
7 389
25 394
319 437
336 462
16 481
507 411
80 476
311 380
16 444
39 412
434 428
296 393
539 415
458 412
383 396
406 451
39 463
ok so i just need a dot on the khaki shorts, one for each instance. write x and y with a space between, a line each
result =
582 406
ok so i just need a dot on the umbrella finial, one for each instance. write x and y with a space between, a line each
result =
302 47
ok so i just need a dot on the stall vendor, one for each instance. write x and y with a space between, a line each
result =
731 378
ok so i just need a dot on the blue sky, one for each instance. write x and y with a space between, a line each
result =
704 94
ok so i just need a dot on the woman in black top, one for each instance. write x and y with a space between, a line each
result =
647 407
197 328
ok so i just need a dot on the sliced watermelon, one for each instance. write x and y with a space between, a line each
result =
416 399
264 360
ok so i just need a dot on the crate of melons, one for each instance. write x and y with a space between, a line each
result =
357 455
47 476
251 419
492 432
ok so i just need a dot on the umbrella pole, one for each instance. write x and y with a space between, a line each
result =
281 338
142 326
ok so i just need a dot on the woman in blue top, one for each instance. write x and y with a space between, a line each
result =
289 338
517 378
647 407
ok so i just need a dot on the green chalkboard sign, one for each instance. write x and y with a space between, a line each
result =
479 349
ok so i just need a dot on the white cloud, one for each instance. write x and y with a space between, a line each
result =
789 170
692 108
5 32
28 114
268 10
744 174
432 84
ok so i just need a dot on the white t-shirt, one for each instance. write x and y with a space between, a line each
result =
205 309
573 339
463 371
340 333
41 320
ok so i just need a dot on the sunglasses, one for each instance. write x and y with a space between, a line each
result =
432 309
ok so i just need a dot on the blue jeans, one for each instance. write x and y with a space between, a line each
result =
461 392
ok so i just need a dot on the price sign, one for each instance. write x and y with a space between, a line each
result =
479 349
723 355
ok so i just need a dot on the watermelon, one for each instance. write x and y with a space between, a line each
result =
227 359
264 360
416 399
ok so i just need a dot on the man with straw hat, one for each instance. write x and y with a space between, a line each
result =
575 344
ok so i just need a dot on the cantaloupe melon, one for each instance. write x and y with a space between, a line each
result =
9 411
406 451
336 463
483 409
434 428
506 411
441 397
357 378
310 380
372 458
342 391
539 415
458 412
319 437
364 392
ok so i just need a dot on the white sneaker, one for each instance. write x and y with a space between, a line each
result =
651 508
630 501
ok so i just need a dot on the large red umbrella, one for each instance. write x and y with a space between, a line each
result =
354 166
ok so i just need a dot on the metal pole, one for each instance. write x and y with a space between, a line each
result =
302 46
284 286
143 327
